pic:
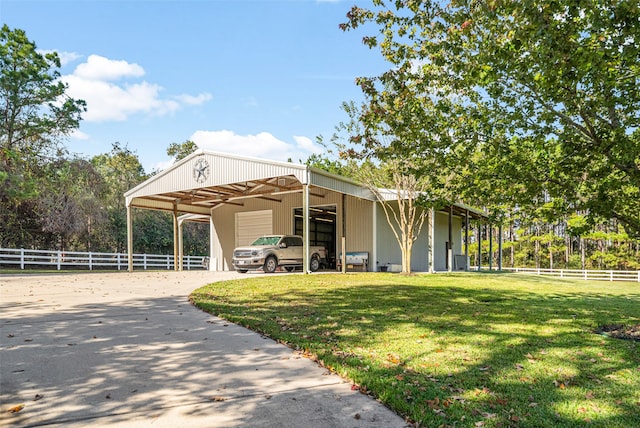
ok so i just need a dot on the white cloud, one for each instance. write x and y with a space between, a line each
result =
194 100
305 143
79 135
262 145
100 68
161 166
107 100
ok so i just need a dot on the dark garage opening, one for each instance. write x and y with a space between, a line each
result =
322 229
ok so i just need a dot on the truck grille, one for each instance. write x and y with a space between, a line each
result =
241 254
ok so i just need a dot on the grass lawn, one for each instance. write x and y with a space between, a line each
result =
457 350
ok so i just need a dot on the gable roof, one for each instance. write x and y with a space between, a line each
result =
206 179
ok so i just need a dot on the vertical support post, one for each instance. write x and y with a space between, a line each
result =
466 240
432 240
479 246
343 255
59 259
176 247
90 261
129 239
450 244
22 262
374 255
180 246
490 246
305 226
500 247
213 241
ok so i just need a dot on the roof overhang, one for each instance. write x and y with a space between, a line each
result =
206 180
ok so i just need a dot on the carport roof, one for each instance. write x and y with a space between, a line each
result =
206 180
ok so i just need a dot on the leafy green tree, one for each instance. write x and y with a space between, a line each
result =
180 151
35 112
548 91
121 170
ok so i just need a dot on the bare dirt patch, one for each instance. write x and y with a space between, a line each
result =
619 331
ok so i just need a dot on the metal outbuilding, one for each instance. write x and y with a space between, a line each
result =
241 195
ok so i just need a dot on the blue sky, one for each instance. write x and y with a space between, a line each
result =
258 78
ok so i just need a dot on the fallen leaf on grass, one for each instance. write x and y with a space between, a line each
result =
433 404
16 409
589 395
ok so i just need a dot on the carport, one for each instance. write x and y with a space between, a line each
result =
205 183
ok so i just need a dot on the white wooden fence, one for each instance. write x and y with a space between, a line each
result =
10 257
592 275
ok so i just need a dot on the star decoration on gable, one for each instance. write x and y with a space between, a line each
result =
201 170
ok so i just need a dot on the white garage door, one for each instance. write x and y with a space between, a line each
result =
251 225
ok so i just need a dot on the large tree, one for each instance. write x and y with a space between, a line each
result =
35 112
548 93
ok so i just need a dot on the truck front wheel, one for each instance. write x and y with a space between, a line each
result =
314 265
270 264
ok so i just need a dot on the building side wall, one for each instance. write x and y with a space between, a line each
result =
359 221
442 236
389 252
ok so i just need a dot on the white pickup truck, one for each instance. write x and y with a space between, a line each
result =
269 252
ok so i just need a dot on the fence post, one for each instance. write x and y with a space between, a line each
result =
585 274
168 263
610 275
90 261
561 273
118 260
22 261
59 258
144 261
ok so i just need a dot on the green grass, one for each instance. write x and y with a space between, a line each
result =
458 350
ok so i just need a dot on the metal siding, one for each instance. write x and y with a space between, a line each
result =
420 254
389 250
442 236
359 226
341 186
222 170
250 225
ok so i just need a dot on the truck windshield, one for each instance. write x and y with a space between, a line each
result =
266 240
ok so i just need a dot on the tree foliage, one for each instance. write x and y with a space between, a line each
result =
35 111
546 95
182 150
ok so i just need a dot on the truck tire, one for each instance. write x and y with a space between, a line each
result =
270 264
314 264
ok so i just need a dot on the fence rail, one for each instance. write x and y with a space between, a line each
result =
592 275
46 258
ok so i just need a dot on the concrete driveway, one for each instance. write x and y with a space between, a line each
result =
128 349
